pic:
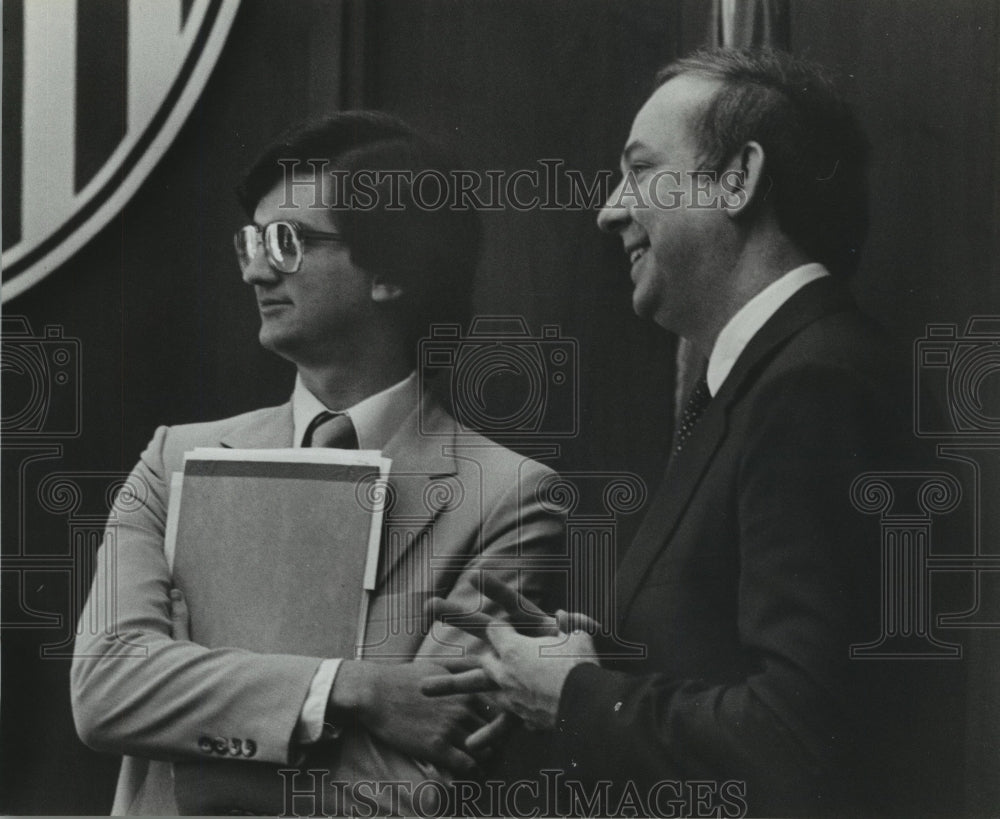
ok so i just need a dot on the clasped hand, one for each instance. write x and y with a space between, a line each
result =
454 732
526 666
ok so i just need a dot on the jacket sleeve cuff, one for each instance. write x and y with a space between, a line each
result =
591 707
311 727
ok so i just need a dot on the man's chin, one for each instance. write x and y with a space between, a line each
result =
641 305
274 340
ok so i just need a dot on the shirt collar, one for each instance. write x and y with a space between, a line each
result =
753 315
375 418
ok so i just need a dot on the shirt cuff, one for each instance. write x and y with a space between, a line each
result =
311 727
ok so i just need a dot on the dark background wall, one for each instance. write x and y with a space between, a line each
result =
168 332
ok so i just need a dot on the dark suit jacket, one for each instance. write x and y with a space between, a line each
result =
747 582
470 504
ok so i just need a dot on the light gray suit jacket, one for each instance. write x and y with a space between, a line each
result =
458 505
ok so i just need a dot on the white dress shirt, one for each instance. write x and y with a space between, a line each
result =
753 315
375 419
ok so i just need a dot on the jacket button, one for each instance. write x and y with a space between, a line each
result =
204 745
249 748
220 746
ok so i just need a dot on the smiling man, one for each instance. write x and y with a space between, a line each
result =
344 294
742 211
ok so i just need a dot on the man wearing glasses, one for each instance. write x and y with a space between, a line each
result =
344 294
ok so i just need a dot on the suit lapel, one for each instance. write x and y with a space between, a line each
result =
685 471
268 429
418 458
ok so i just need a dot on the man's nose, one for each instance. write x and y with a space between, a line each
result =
613 216
259 271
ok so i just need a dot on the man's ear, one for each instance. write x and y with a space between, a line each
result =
744 184
385 291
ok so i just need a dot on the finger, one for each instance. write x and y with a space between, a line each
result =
537 627
513 602
453 665
477 624
491 733
466 682
431 608
438 608
494 668
458 761
468 722
179 616
523 614
570 621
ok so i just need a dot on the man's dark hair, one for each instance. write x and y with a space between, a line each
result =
430 252
816 153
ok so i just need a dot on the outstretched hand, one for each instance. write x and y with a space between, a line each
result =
527 671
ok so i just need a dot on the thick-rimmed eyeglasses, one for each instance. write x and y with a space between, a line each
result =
284 244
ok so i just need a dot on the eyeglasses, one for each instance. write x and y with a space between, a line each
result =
283 243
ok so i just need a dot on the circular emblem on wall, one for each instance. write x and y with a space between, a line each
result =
94 92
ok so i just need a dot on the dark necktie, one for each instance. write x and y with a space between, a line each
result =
695 406
331 429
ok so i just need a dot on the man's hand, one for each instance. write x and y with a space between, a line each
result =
529 671
387 698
